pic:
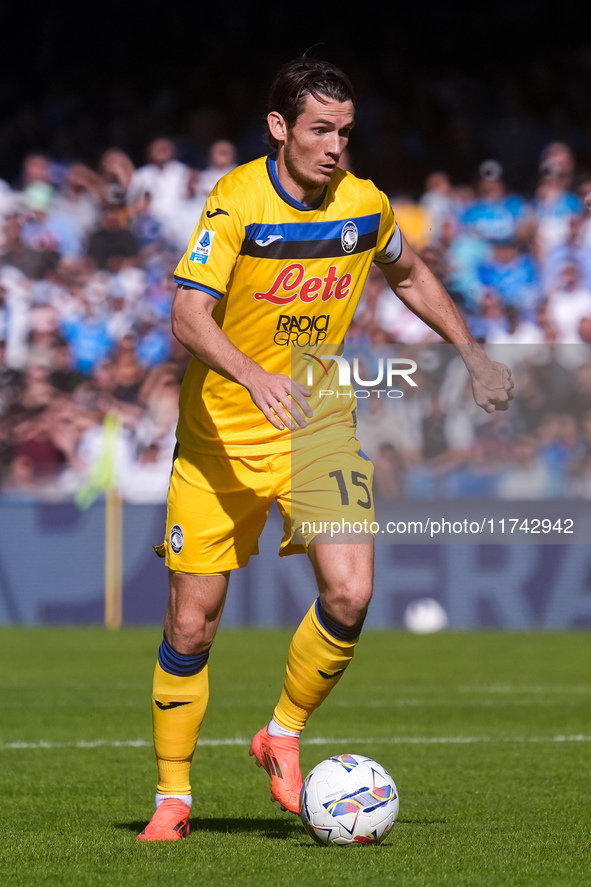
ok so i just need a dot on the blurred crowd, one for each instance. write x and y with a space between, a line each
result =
86 260
434 442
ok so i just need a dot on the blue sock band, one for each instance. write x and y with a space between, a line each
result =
338 631
178 663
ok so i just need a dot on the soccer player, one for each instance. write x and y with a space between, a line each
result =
284 244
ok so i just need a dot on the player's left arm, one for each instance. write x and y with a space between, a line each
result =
419 289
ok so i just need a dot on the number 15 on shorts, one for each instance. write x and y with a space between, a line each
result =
351 486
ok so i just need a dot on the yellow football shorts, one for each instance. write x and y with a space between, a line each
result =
218 505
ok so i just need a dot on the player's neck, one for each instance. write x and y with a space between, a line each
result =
300 191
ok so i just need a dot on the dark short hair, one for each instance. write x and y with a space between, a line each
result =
303 77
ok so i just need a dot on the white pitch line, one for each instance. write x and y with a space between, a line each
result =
524 689
319 740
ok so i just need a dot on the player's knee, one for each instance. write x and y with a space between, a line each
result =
187 632
194 609
348 601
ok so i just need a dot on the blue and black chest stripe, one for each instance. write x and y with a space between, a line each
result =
312 240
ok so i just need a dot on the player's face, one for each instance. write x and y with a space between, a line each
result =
311 149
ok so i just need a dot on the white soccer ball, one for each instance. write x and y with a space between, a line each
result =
425 616
349 799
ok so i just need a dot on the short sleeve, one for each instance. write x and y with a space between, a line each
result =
213 249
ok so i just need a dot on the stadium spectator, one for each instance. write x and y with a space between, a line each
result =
145 225
47 228
189 210
437 200
121 312
15 303
8 200
495 214
63 376
21 482
43 339
515 329
10 383
487 320
381 423
153 343
222 159
198 185
115 171
113 245
554 203
33 263
568 305
559 446
463 253
128 371
76 199
34 445
378 311
526 476
37 389
164 178
389 473
572 251
88 338
154 435
512 274
36 168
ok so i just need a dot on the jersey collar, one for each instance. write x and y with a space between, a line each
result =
272 171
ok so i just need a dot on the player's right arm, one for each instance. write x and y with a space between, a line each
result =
281 400
203 275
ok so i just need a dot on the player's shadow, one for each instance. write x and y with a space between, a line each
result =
268 828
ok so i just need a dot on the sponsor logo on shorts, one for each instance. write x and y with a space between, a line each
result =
177 539
291 283
303 329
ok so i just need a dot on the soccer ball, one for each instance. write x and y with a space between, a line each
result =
348 799
425 616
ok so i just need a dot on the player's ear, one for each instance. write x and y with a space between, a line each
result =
277 126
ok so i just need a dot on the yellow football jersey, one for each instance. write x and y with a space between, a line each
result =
288 278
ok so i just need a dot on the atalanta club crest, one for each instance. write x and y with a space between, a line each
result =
349 236
177 539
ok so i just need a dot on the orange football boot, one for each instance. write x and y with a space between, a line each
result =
170 822
280 757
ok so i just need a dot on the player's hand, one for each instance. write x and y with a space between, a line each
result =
492 385
281 400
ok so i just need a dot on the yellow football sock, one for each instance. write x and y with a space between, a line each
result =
178 709
320 651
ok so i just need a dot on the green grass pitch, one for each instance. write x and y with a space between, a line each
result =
487 735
